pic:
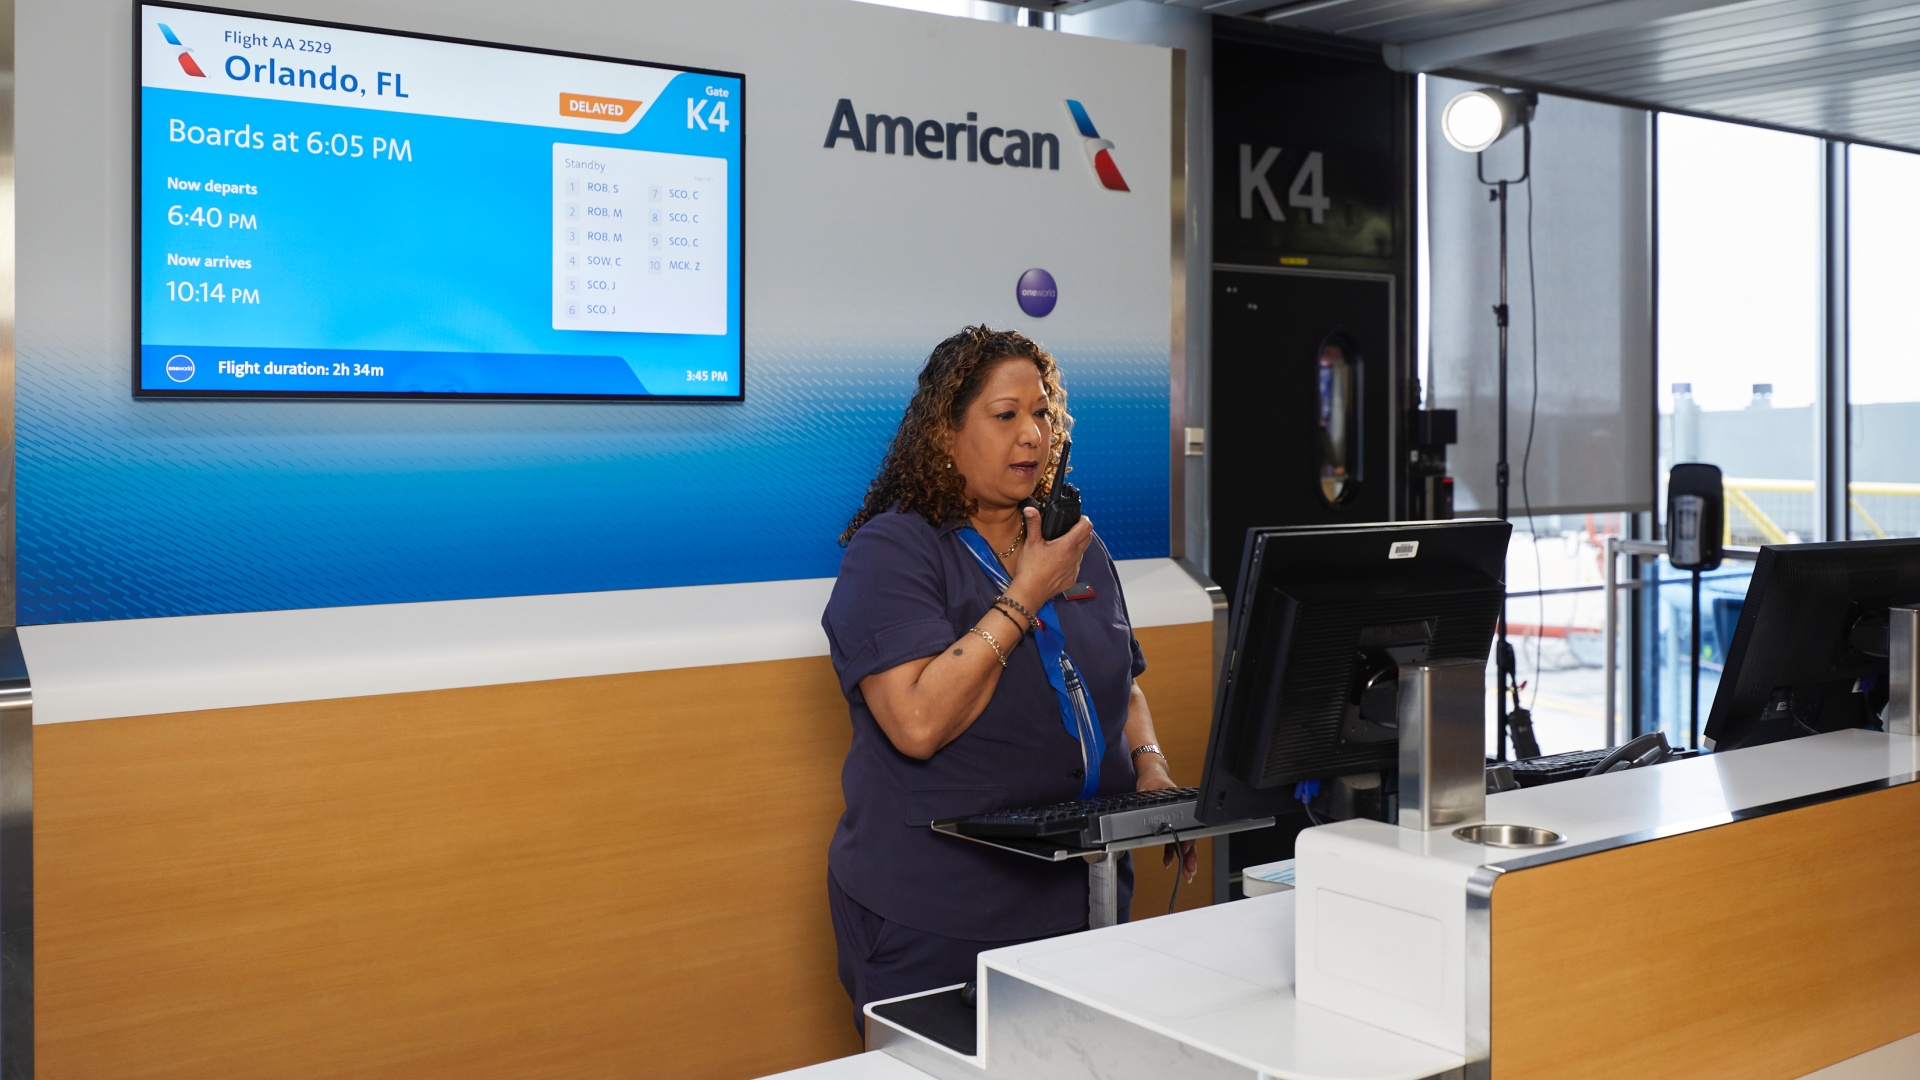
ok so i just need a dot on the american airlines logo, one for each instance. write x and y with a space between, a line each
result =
950 140
1013 147
186 51
1098 149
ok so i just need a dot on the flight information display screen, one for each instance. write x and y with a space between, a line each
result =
327 211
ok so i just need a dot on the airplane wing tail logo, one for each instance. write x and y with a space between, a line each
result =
1099 150
186 51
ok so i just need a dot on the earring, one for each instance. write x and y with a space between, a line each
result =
949 463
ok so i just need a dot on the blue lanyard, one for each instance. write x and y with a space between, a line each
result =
1076 705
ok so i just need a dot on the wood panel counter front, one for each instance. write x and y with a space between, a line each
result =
1769 947
616 876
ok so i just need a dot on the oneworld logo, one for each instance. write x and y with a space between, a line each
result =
1036 292
186 51
1097 149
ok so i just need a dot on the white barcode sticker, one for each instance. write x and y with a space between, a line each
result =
1404 549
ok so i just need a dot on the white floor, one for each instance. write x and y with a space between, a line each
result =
1894 1061
873 1065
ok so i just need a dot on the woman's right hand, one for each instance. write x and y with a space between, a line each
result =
1047 568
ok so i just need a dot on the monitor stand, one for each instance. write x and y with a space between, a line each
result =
1903 670
1443 724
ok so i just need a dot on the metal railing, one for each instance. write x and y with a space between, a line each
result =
1778 511
1759 511
1616 547
1899 506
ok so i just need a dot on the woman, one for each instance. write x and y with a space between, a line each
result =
947 601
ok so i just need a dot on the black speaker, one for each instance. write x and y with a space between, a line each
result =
1696 516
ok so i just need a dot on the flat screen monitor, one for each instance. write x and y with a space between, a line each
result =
332 211
1809 654
1322 619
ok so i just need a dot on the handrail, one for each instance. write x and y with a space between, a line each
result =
1738 489
1866 517
1565 589
1805 487
1736 552
1739 499
1770 530
1881 487
1616 547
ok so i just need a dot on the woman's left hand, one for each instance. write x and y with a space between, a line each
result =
1151 775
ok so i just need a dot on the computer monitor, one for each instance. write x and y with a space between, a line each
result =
1322 619
1809 654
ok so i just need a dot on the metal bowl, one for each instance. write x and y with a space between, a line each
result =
1509 836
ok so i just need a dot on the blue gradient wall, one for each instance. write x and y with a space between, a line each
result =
855 265
140 509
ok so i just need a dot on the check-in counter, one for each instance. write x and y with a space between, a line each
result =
1737 915
393 840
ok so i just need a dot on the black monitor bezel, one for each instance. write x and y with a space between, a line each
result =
139 81
1224 794
1734 720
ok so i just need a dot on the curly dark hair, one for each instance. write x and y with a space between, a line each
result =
916 474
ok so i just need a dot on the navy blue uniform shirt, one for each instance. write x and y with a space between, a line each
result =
908 590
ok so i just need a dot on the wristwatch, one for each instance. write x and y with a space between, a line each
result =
1146 748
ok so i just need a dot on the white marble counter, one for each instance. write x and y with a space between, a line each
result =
139 667
872 1065
1676 797
1212 992
1389 927
1219 980
1894 1061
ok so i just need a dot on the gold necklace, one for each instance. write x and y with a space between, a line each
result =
1008 554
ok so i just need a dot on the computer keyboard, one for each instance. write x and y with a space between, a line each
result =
1553 768
1091 822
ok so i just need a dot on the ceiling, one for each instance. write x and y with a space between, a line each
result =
1847 68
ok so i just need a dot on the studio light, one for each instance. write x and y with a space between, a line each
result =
1476 119
1473 121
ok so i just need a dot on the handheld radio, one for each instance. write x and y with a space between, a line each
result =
1061 510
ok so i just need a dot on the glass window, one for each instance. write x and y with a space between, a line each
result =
1556 618
1884 342
1670 622
1740 327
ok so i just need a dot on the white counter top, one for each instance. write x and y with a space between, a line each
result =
1894 1061
140 667
1389 926
872 1065
1218 979
1213 992
1677 797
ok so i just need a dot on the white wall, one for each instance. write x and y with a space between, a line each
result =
1191 32
844 251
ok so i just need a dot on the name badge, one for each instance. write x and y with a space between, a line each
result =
1082 591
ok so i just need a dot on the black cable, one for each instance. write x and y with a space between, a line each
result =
1526 456
1179 870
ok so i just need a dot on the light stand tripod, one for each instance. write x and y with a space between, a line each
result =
1514 718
